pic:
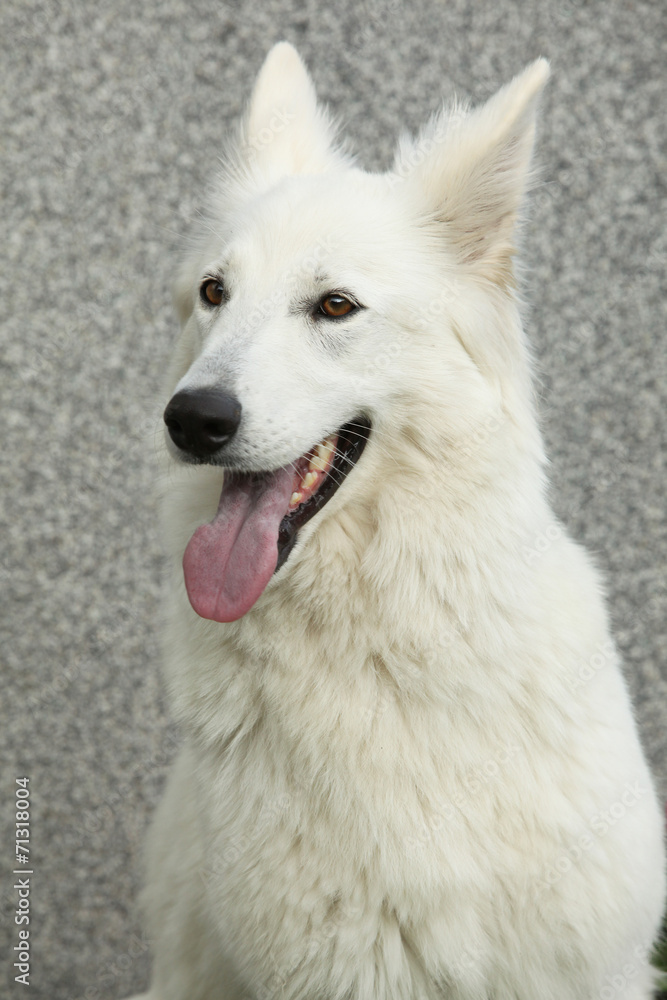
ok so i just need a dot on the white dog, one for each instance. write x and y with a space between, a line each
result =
411 768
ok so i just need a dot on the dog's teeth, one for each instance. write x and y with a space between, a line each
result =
296 498
308 480
322 457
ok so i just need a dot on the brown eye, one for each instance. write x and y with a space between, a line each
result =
212 292
335 306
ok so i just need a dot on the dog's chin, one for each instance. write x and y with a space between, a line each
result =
228 563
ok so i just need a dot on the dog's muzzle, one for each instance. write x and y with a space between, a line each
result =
229 561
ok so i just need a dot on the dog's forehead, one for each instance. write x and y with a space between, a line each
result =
311 224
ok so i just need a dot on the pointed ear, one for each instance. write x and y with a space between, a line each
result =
471 171
284 131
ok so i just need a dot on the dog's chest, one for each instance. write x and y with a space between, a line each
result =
349 824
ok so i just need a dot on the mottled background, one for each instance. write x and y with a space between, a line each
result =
111 118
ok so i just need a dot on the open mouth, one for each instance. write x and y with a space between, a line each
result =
228 563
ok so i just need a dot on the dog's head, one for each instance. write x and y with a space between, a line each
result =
330 314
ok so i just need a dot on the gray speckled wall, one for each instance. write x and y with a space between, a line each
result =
111 117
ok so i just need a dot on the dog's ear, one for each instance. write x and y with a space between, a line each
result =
285 131
472 170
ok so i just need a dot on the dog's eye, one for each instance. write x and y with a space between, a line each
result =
212 292
335 306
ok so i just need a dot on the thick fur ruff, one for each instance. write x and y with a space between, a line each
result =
411 770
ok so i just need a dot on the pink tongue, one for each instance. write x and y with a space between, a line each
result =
229 562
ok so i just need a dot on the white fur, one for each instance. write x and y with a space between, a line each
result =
399 762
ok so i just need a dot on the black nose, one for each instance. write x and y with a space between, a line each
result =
202 421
